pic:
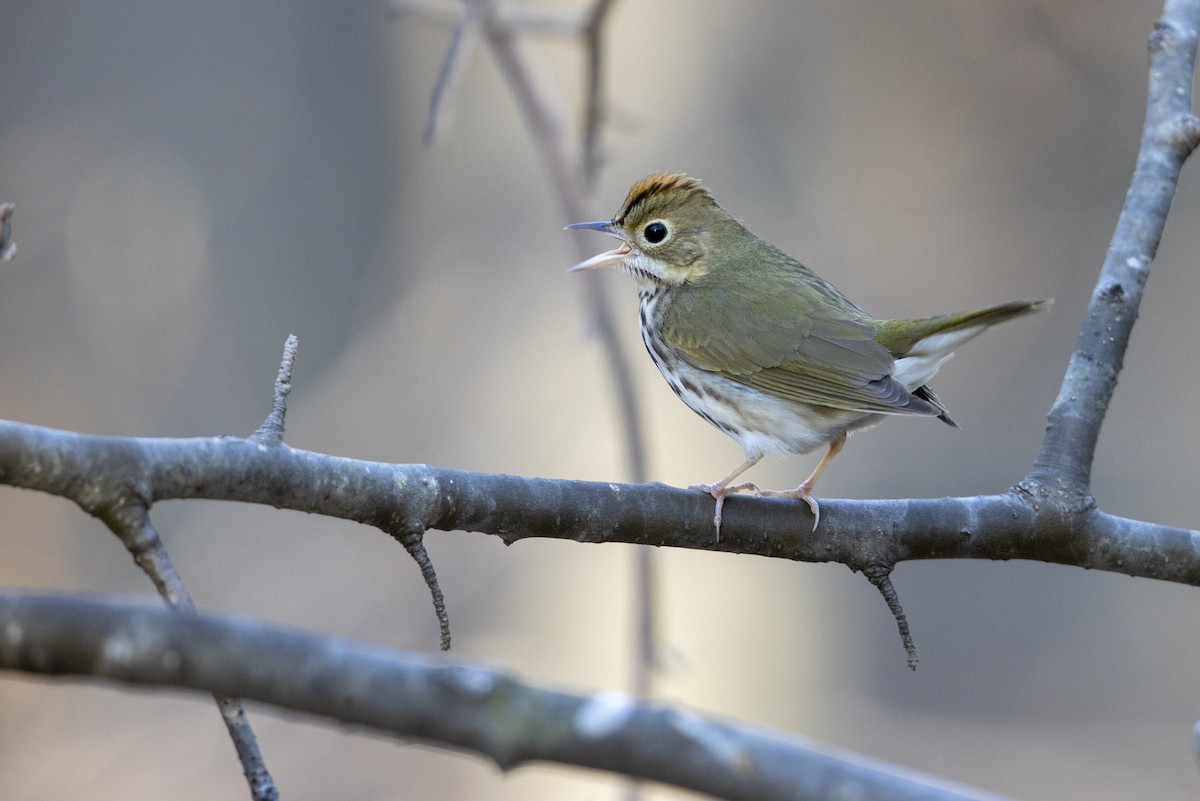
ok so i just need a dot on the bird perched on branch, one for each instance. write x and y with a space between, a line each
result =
762 347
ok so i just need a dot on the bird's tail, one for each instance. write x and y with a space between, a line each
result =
923 345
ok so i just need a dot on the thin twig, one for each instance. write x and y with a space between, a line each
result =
413 540
562 23
131 523
573 175
572 169
881 577
271 430
645 573
594 98
463 44
8 248
541 107
645 568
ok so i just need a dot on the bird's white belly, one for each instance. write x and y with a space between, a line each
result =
762 424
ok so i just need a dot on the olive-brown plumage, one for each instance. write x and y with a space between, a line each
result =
759 345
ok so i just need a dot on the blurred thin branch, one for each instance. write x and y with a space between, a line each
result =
572 163
573 166
463 43
8 248
456 705
594 97
567 23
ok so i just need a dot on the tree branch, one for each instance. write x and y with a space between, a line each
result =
412 537
857 533
1048 517
8 248
563 23
271 430
573 167
1169 135
129 519
881 577
463 44
593 117
464 707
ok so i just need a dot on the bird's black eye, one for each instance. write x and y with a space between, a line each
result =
655 232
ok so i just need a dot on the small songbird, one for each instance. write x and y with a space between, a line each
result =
759 345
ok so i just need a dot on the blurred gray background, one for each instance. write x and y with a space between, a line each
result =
195 181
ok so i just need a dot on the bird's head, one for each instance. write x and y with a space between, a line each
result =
669 227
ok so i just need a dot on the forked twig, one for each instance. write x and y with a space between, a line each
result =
463 44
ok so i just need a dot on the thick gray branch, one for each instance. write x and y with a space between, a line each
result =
459 706
96 471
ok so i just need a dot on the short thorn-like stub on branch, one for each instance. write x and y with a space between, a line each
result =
881 577
1187 134
271 430
413 540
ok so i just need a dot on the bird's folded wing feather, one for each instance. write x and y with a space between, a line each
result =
820 350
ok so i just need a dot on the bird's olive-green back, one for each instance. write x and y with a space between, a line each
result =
764 320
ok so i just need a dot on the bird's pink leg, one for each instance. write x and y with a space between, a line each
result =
803 492
722 488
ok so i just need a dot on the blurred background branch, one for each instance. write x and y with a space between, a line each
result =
573 163
8 248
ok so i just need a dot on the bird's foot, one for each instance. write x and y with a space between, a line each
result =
803 493
719 490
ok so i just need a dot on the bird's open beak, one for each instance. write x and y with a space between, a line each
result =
609 258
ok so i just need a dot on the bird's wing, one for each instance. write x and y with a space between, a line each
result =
813 347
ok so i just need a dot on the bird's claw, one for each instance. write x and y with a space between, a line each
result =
719 491
803 492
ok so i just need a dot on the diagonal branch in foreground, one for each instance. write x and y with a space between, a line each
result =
455 705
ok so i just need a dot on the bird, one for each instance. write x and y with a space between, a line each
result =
760 346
